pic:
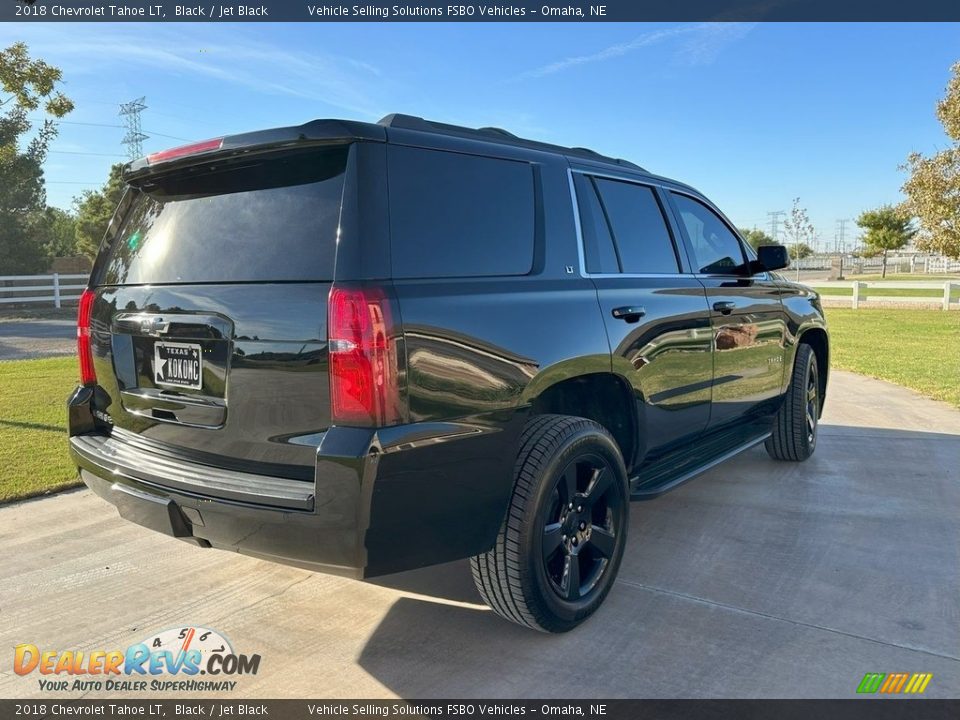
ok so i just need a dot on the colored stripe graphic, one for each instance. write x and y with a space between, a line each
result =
922 680
871 682
893 683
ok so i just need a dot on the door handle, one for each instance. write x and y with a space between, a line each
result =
629 313
724 307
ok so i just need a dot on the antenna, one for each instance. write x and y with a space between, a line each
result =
134 137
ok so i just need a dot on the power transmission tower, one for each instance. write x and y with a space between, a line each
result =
775 216
841 245
134 137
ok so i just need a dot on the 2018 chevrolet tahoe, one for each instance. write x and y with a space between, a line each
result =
363 348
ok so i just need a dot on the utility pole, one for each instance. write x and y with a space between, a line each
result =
134 138
841 245
775 216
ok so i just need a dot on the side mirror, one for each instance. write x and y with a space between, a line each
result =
772 257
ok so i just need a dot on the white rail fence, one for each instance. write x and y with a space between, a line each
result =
55 289
874 265
872 292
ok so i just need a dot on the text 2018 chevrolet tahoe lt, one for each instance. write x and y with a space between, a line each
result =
363 348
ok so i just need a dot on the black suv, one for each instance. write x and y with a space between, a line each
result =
363 348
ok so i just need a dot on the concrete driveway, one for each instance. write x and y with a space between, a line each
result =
22 339
758 579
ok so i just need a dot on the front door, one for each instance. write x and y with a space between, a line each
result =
749 325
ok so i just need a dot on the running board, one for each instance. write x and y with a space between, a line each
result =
675 475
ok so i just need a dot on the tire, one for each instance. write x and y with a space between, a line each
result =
559 549
794 435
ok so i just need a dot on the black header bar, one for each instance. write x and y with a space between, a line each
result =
514 11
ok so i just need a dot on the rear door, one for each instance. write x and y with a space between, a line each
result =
654 309
209 331
749 324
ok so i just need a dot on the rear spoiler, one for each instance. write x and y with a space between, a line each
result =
318 132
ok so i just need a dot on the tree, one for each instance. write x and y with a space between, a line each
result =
30 86
933 188
53 230
886 228
95 208
756 237
799 230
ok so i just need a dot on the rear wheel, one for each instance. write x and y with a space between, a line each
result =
794 435
559 549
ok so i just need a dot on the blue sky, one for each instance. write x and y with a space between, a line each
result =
751 114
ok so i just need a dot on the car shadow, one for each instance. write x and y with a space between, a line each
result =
450 581
734 570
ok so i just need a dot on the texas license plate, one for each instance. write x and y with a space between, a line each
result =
178 365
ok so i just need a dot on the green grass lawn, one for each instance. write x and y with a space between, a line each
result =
877 292
919 349
33 426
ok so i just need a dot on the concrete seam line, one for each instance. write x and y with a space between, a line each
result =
734 608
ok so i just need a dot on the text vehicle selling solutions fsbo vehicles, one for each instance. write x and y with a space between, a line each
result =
364 348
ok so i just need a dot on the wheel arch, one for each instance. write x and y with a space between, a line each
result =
601 396
819 341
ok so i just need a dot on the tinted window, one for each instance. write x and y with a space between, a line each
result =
599 253
715 248
454 215
639 229
271 219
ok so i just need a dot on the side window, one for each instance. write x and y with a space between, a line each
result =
600 255
624 228
716 249
457 215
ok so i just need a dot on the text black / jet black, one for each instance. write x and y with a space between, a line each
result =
363 348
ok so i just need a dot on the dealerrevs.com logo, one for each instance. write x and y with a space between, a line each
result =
179 659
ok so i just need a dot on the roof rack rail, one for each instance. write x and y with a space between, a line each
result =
498 131
494 134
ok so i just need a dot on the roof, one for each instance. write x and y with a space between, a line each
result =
496 135
349 130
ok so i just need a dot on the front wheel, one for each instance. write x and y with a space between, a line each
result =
559 549
794 435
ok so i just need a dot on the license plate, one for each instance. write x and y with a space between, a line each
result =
178 365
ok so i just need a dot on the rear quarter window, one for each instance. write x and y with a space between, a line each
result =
271 219
457 215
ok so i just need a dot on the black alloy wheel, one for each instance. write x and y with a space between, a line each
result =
580 527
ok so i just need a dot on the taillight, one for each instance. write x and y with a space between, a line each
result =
184 150
84 351
364 389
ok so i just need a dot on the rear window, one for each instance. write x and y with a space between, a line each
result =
638 226
455 215
271 219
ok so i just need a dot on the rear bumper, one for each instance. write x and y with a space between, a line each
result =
381 501
210 508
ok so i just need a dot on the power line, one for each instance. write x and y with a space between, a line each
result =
172 137
107 125
76 122
77 152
